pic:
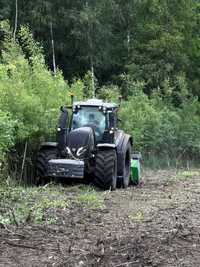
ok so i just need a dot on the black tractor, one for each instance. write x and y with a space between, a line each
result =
89 144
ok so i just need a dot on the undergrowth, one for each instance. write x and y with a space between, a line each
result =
156 162
90 198
21 205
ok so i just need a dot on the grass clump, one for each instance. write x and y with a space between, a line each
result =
88 197
137 216
19 205
188 174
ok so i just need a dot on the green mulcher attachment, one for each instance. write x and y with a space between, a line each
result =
135 168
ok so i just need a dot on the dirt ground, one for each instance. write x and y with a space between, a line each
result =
154 224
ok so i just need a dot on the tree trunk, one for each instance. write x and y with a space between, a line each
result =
53 49
16 19
93 82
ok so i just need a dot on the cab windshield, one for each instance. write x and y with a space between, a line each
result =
91 117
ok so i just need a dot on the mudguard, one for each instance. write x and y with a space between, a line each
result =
45 145
106 145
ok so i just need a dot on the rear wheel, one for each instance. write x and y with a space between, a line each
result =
124 179
106 169
42 164
127 167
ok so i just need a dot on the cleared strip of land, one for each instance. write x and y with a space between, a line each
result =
154 224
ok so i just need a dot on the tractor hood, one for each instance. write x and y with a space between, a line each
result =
81 142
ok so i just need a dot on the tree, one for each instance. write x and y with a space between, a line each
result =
151 40
162 39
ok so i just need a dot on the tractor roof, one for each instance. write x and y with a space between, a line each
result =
96 103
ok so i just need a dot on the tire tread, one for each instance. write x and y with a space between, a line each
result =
105 160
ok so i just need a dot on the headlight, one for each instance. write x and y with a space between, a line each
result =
80 151
68 150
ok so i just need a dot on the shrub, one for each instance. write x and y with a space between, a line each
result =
109 93
29 91
6 133
160 129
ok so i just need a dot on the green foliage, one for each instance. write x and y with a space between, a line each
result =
151 40
130 87
20 205
160 129
138 216
6 133
90 198
164 38
30 90
138 116
87 80
110 93
187 174
188 131
30 94
160 54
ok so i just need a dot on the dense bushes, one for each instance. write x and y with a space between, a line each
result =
30 94
6 133
160 129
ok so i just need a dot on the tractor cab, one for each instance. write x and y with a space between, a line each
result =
100 116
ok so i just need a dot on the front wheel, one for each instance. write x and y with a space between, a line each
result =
43 157
106 169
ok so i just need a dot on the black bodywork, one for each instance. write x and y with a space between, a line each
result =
81 144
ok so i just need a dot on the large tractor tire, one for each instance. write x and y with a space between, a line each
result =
106 169
127 167
43 157
124 180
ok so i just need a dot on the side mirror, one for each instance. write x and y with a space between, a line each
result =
63 109
63 118
72 98
112 120
120 100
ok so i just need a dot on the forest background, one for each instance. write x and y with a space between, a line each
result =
147 51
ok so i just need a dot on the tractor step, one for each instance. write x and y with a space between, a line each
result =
65 168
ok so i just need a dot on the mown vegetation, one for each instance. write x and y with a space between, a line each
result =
22 205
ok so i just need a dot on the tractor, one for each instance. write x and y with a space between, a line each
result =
89 145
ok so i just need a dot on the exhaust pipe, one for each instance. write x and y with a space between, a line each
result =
62 129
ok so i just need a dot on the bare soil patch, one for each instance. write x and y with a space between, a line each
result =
154 224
